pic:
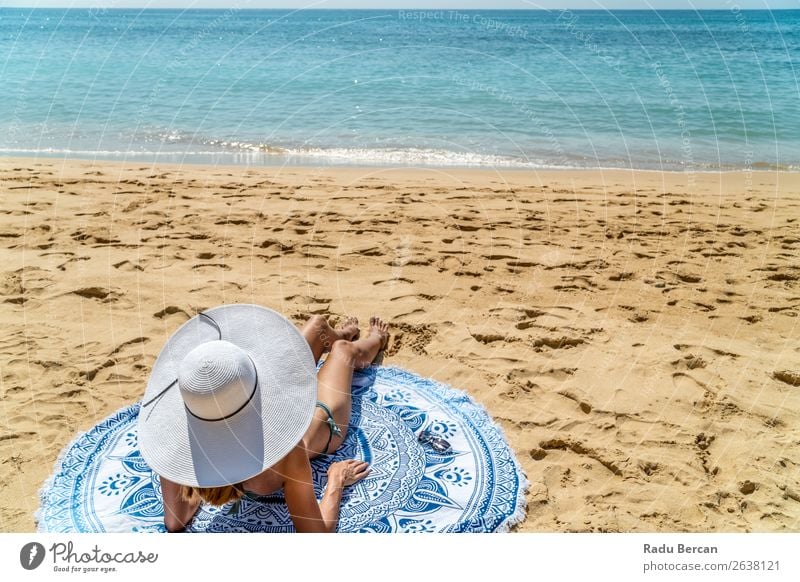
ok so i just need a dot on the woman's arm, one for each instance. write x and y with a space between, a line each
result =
177 511
308 515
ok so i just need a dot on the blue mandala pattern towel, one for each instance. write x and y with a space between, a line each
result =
102 483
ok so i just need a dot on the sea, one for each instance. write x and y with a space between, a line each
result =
659 90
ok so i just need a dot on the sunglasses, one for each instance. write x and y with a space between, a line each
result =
438 444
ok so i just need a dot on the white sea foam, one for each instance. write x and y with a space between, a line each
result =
413 157
253 154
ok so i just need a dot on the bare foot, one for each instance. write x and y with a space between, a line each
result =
379 327
348 329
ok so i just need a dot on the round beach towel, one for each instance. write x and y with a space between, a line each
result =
102 484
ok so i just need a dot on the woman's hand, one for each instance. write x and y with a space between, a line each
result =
345 473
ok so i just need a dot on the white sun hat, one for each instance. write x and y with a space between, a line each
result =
230 394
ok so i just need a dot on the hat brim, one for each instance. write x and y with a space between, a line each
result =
201 453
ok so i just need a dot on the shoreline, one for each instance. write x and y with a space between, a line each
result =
628 331
382 168
206 160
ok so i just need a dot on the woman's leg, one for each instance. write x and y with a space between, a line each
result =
334 382
321 336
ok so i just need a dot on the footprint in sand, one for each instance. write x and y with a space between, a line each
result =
127 266
787 377
689 389
585 407
101 293
649 468
689 362
415 336
125 344
222 266
94 236
581 449
73 393
708 350
538 454
63 266
393 281
557 343
170 310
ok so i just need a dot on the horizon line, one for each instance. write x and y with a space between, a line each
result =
295 9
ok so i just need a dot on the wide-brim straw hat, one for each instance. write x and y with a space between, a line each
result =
231 393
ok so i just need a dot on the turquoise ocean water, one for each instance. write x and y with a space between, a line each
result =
643 89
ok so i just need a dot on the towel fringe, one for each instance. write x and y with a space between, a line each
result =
47 485
520 511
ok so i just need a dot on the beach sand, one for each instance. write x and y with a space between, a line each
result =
634 333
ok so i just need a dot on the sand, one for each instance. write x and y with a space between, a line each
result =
634 333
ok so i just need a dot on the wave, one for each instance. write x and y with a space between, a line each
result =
248 153
272 154
416 156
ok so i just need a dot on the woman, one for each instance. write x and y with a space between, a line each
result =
234 404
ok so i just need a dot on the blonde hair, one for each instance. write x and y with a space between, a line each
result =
213 495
